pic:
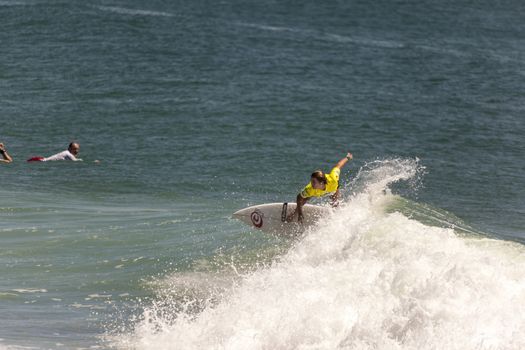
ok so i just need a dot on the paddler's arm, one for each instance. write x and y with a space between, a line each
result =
73 158
6 157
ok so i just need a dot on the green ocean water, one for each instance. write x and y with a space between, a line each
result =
197 109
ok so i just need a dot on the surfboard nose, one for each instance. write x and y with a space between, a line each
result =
239 213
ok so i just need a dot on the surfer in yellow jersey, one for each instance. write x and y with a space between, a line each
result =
320 184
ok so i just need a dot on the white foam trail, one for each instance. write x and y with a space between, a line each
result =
327 36
364 41
16 347
364 279
271 28
13 3
29 290
134 12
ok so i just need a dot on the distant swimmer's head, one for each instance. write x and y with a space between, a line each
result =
318 180
74 148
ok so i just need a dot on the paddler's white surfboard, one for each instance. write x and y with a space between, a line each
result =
271 217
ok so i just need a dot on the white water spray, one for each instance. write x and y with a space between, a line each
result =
363 279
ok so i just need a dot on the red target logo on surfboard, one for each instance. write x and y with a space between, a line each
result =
257 218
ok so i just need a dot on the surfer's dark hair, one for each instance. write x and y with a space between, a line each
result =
320 176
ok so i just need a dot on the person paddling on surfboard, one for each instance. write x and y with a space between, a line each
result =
320 185
69 154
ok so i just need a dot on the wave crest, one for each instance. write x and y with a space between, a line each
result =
366 277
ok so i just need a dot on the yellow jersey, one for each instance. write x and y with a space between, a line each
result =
332 184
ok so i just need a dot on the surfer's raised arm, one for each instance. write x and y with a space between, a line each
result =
340 164
319 185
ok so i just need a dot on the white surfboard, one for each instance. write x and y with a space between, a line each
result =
271 217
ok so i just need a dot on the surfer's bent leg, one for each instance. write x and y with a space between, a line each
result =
299 209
